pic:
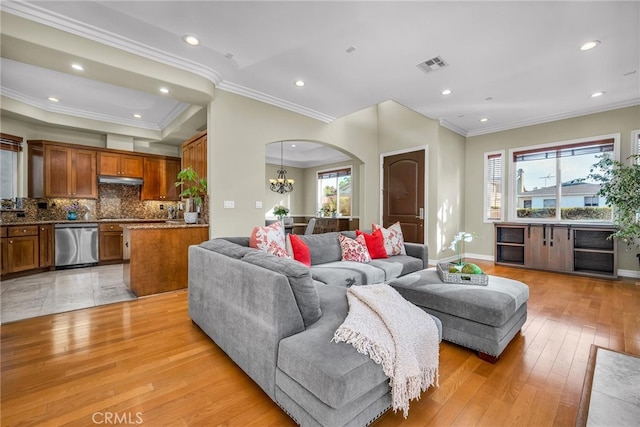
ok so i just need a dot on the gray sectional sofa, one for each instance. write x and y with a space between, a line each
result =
276 317
276 322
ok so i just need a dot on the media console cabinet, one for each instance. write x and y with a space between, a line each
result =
578 249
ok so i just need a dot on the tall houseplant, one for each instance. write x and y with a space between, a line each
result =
620 186
194 189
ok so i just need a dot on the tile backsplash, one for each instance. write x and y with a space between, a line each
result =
114 201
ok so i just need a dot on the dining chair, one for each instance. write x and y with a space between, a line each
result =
310 226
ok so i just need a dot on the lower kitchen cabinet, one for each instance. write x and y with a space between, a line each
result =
110 242
22 249
46 245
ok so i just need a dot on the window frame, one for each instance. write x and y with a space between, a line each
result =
487 156
318 190
512 203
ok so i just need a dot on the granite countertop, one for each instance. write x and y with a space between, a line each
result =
167 224
86 221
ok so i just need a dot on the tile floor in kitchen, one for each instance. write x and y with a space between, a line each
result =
61 290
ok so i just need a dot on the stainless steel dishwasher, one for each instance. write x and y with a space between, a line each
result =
76 244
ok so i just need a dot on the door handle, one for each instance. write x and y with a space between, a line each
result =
420 213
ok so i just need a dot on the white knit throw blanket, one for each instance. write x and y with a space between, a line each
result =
396 334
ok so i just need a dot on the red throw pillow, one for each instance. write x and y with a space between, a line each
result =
375 243
300 250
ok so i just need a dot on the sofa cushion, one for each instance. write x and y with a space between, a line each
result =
492 305
225 247
304 290
347 273
323 247
354 249
397 265
334 372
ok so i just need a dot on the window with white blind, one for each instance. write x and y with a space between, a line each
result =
493 186
551 181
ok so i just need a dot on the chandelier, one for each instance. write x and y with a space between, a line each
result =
281 184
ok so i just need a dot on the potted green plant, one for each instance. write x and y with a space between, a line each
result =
194 189
620 186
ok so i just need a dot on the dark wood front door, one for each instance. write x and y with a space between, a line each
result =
403 194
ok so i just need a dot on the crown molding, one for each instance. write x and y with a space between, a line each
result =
553 118
263 97
55 108
453 128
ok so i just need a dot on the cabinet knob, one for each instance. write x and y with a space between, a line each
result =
24 231
10 241
42 229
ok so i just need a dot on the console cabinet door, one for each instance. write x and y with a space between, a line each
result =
547 248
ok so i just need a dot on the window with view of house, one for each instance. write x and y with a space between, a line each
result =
334 192
552 181
493 186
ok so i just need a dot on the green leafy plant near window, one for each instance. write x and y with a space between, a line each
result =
193 187
620 186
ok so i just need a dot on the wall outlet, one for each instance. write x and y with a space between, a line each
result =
161 207
229 204
259 204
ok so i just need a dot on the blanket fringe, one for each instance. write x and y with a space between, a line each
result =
365 346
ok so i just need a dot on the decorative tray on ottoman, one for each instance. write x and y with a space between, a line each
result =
462 278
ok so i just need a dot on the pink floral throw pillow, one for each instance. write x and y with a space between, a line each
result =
270 239
354 249
393 239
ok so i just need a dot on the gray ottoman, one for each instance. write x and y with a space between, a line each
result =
482 318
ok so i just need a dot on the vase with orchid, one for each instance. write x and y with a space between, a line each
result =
457 245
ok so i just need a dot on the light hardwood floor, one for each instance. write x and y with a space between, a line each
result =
145 361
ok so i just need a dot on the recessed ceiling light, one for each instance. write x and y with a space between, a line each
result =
596 94
484 119
293 145
446 92
164 90
77 67
299 83
137 116
192 40
53 99
590 45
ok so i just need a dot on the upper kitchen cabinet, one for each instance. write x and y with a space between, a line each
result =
121 165
160 175
194 154
69 172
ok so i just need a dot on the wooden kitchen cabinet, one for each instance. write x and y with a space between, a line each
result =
23 250
69 172
46 245
110 242
160 175
4 262
123 165
194 154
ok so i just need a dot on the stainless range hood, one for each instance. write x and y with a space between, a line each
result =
119 180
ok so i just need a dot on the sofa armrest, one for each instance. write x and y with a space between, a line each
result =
418 250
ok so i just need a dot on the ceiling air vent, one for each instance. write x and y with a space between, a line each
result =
432 64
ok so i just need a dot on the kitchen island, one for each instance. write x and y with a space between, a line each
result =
158 255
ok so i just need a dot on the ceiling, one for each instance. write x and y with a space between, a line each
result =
513 63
